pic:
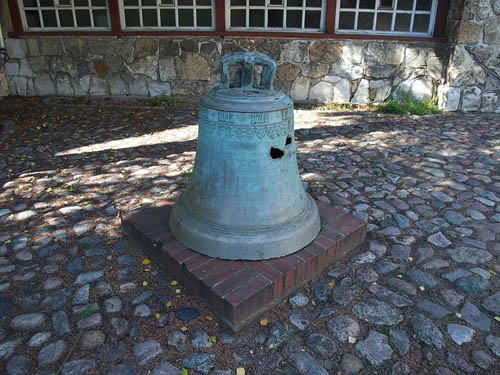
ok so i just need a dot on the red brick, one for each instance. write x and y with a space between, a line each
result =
286 269
236 279
309 257
273 274
204 268
221 273
192 263
331 215
339 221
299 264
249 298
184 255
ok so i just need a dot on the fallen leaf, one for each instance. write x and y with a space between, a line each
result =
209 318
352 340
184 328
178 291
146 261
421 287
173 282
240 371
144 283
263 322
157 315
212 339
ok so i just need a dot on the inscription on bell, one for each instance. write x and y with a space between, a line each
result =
224 116
260 118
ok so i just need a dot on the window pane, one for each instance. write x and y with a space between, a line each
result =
424 4
99 3
314 3
185 2
49 18
100 18
256 17
275 18
132 18
405 4
294 18
148 3
257 2
313 19
66 18
365 21
204 17
203 2
47 3
348 4
167 17
402 22
386 3
238 18
29 3
421 23
81 3
238 2
82 18
186 17
346 20
384 21
32 18
149 17
276 2
131 2
294 3
367 4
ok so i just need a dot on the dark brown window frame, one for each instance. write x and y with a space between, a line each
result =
220 27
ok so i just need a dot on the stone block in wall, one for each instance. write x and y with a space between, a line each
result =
495 7
287 72
492 31
25 69
123 47
467 33
463 70
415 56
51 47
189 45
484 10
492 82
98 86
209 50
44 85
33 48
352 54
4 86
166 69
322 91
82 67
193 67
394 54
300 88
81 85
380 90
137 86
379 71
449 98
16 48
362 94
117 86
63 64
270 47
169 48
12 68
147 66
471 99
489 102
334 52
17 85
294 51
420 88
76 47
435 67
342 91
319 70
100 68
145 47
487 56
158 88
63 85
30 88
374 53
39 63
317 51
115 64
98 47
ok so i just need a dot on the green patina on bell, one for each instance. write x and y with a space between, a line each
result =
245 199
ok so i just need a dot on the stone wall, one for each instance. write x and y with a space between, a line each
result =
473 68
340 71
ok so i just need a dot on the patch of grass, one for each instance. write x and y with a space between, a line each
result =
187 174
87 312
81 100
495 144
160 101
408 105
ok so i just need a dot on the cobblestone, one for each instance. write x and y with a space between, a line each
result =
426 276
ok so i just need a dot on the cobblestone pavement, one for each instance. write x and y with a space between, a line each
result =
420 296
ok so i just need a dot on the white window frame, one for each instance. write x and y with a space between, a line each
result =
394 10
283 6
176 8
71 7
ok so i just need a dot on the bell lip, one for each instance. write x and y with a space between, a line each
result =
275 242
246 104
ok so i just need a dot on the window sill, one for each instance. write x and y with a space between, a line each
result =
247 34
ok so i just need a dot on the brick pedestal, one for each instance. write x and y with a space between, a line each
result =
238 291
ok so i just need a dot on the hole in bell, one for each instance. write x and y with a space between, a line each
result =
276 153
288 141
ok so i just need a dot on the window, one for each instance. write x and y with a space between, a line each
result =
397 17
168 14
276 15
65 14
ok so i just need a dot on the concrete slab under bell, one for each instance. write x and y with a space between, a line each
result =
237 291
